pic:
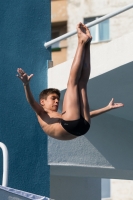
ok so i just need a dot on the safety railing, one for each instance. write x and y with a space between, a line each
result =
97 21
5 164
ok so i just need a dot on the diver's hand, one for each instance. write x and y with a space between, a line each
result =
23 76
113 105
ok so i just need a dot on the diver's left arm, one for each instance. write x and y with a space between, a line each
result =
107 108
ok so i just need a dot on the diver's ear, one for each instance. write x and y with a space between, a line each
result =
42 102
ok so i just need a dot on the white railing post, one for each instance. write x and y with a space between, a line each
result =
5 164
97 21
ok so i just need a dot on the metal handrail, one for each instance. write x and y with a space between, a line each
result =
5 164
47 44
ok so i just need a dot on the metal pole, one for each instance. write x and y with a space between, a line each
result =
47 44
5 164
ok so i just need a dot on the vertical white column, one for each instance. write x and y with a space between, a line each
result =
5 164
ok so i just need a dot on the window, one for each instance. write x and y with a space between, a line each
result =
57 29
54 35
99 32
105 188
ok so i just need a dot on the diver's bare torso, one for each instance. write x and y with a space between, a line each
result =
51 124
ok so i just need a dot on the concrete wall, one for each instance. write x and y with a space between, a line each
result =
25 26
109 143
64 188
119 25
105 151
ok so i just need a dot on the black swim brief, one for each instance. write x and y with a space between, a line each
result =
76 127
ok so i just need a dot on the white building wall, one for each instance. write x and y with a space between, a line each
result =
121 189
80 9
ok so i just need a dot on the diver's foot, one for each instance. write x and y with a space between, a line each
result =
83 33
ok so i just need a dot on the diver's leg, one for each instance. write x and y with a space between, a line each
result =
84 104
71 104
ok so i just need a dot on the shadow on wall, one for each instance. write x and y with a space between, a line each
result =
112 133
117 84
112 137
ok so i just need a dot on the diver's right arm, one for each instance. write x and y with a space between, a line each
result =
25 79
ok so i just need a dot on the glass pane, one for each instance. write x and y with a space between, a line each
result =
105 188
90 19
93 32
55 45
92 29
104 30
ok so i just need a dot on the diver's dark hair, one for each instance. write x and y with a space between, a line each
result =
44 94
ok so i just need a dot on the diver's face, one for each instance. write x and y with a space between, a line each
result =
51 102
